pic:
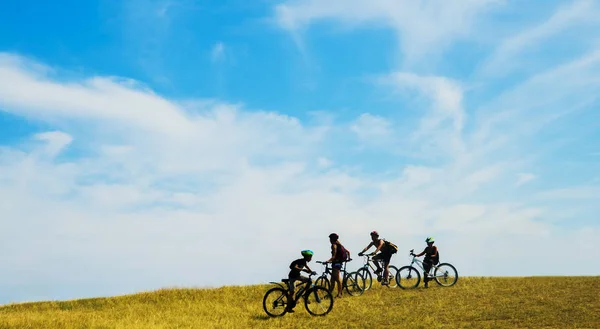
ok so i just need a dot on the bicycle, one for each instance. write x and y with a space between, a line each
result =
353 282
408 277
281 298
366 269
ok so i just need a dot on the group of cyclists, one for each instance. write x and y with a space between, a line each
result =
339 254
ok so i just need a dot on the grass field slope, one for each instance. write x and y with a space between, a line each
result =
529 302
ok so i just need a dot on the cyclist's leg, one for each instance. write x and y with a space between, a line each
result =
291 286
426 268
386 258
304 280
376 259
336 278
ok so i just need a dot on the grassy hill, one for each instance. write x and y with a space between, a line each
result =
532 302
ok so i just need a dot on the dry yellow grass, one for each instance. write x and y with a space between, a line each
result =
536 302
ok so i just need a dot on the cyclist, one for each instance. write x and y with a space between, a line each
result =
385 255
336 260
432 257
296 267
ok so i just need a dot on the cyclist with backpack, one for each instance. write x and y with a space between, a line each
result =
339 255
296 267
432 257
387 249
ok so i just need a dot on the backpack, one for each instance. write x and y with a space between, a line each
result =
390 247
436 259
343 253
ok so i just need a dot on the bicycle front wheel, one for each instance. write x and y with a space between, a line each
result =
323 281
319 301
366 274
408 277
445 274
392 271
275 302
354 283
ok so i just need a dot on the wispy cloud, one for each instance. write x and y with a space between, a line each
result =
369 126
422 29
578 16
218 52
523 178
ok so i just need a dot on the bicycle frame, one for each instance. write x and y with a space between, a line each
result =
420 264
368 263
302 287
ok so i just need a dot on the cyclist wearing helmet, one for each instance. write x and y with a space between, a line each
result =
296 267
336 261
385 256
432 257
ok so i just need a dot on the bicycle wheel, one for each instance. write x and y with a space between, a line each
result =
445 275
323 281
366 274
319 301
275 302
408 277
354 283
392 271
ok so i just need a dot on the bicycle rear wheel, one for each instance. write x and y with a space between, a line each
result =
408 277
445 275
354 283
318 301
366 274
275 302
392 271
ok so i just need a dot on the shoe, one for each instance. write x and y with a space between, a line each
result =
385 283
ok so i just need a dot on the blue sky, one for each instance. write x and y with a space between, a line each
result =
148 144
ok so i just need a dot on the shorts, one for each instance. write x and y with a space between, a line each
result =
337 266
385 257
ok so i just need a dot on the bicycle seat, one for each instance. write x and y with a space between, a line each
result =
285 280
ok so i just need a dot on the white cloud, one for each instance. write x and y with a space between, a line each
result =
56 140
217 53
423 27
444 116
163 183
577 14
523 178
369 126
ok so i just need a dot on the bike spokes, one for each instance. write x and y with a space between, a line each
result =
408 277
319 301
445 275
275 302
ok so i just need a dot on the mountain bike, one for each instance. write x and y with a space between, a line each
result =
353 282
368 267
318 301
408 277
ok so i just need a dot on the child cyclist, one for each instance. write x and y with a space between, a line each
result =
432 257
296 267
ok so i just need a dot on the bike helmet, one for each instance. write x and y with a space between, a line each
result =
307 252
429 239
375 233
334 236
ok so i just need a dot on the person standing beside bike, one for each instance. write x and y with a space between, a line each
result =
385 256
336 260
432 257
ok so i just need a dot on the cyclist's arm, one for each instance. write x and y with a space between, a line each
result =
333 252
367 247
308 270
378 247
